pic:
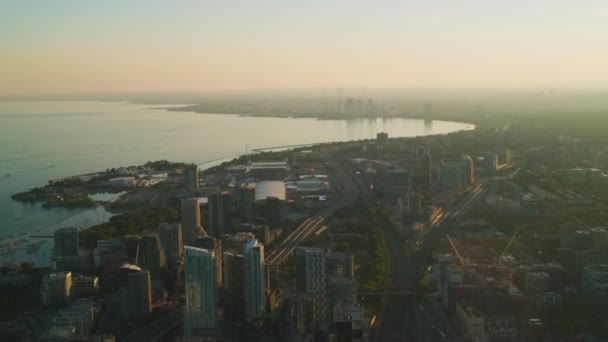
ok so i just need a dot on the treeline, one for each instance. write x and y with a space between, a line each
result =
360 218
132 222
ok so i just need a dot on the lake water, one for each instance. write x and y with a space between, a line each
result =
42 140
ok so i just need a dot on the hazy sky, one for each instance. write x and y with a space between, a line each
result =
112 46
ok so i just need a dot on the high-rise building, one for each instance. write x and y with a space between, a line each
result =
428 110
140 294
171 239
245 202
215 214
350 322
427 172
201 291
233 270
135 291
192 180
310 279
273 212
83 286
217 208
66 242
349 106
191 220
55 288
235 243
233 264
107 248
153 257
254 280
215 245
75 264
382 137
260 231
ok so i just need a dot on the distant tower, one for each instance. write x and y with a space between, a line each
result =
310 280
66 242
171 239
428 111
254 282
192 180
370 108
349 107
201 291
191 220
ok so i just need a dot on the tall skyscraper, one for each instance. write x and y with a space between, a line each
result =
349 106
310 279
192 180
191 220
66 242
217 208
273 212
171 239
428 110
153 257
246 199
215 245
233 264
201 291
135 292
254 280
426 170
233 271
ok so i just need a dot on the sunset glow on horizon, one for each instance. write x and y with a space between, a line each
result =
79 47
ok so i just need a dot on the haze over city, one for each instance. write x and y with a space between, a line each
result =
310 171
64 46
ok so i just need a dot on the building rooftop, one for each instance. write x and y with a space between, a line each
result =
266 189
251 244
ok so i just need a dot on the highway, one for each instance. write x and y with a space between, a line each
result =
401 319
312 224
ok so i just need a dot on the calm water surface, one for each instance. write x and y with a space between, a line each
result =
51 139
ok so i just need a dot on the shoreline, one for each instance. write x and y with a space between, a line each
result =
194 108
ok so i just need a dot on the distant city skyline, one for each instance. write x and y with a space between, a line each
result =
116 46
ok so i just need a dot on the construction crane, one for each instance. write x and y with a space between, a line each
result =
403 199
137 254
455 249
507 247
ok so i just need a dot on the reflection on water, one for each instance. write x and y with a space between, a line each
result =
77 137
